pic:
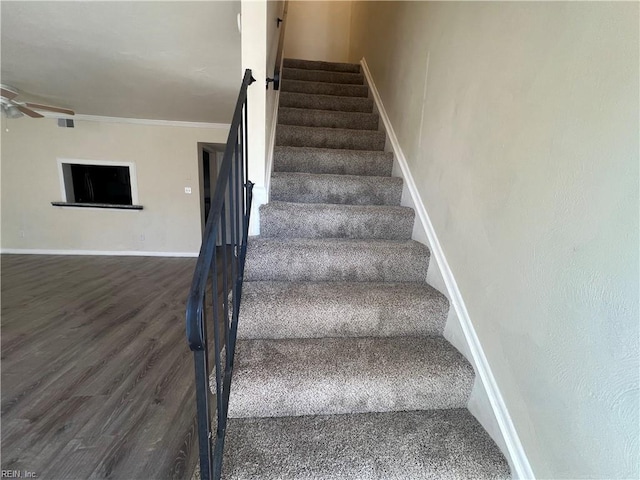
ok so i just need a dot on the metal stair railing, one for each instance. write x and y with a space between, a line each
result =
216 289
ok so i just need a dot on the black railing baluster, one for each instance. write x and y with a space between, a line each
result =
232 207
248 185
246 152
241 168
225 282
216 340
238 216
231 203
201 361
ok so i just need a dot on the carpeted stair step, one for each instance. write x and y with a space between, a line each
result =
319 220
322 76
326 102
417 445
326 376
318 65
342 189
336 309
332 161
335 259
324 88
328 118
295 136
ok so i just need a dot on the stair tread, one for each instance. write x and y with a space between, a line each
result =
316 118
310 376
335 207
323 76
303 187
331 177
330 309
334 131
332 161
337 243
322 220
321 65
320 111
345 98
326 102
336 259
332 151
324 88
326 137
437 444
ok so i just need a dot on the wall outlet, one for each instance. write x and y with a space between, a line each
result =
187 190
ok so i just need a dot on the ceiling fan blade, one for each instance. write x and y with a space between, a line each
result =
28 111
49 108
8 94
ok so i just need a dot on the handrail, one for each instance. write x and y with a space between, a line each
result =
282 23
222 254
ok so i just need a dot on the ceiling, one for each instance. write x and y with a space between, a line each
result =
175 60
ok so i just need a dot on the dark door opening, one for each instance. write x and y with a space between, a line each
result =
209 163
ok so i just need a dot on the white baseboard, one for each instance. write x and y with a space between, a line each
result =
271 143
518 456
259 198
121 253
261 194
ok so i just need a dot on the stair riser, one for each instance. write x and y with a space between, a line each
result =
326 102
287 135
312 310
317 65
287 401
323 88
308 221
358 262
322 377
337 162
322 76
336 189
328 119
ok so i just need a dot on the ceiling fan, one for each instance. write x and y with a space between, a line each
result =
14 109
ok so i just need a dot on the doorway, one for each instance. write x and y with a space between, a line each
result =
209 162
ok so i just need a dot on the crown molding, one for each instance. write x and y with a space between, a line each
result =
136 121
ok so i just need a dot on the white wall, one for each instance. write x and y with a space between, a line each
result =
259 35
519 122
318 30
274 11
254 57
166 160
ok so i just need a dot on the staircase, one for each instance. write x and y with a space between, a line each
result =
341 370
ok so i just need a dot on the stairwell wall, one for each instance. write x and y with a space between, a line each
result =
318 30
519 123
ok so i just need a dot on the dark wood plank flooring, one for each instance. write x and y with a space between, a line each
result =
97 378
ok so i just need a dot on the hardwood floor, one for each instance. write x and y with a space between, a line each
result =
97 378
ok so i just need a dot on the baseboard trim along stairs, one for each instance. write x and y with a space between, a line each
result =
341 368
